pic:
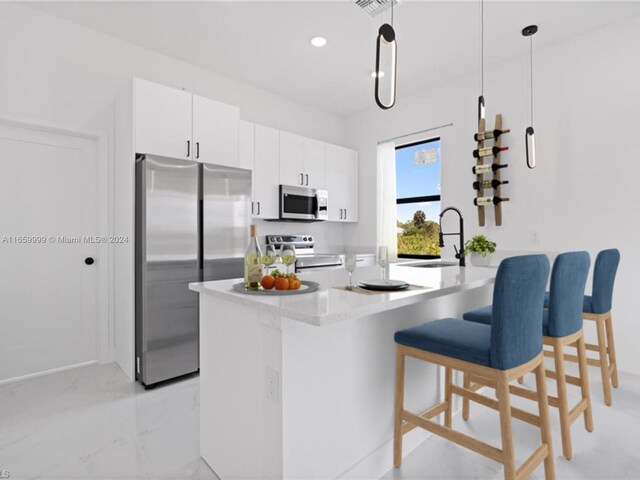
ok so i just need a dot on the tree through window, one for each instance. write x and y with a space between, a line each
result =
418 198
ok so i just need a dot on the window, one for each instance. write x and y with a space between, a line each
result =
418 190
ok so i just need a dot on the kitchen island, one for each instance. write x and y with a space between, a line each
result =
302 386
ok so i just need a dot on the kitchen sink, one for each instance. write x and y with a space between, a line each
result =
434 265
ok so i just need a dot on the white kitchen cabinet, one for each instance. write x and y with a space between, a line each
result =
292 159
301 161
246 144
162 120
314 163
266 172
215 132
341 175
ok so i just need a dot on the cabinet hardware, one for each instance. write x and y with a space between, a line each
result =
258 208
340 214
197 149
345 213
89 261
251 208
188 148
302 179
307 175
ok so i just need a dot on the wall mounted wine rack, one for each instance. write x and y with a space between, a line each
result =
497 142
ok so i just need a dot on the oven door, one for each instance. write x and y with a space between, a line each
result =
298 203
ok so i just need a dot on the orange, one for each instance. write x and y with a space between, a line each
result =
267 282
282 283
294 284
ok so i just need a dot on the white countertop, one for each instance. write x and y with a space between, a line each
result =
328 304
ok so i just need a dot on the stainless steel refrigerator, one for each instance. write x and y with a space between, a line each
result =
192 222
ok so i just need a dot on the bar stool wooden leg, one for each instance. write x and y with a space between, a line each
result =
612 350
448 381
545 424
604 364
399 407
584 382
561 382
504 405
466 383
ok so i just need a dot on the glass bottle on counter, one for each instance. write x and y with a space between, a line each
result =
253 262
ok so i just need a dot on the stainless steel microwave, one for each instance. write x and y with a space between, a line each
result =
303 203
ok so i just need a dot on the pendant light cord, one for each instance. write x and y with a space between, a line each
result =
392 2
482 47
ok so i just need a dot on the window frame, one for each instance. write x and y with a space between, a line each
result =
420 199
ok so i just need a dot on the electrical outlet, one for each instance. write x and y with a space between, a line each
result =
272 385
535 238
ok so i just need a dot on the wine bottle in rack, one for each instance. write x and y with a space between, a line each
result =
488 168
489 151
484 201
489 135
488 184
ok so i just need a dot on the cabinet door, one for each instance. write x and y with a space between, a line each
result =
350 185
162 120
291 159
314 160
215 132
265 172
246 146
333 182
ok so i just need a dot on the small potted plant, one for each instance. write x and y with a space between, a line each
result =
479 249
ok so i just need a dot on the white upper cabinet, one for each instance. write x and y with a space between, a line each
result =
162 120
246 144
215 132
301 161
266 172
314 163
174 123
341 170
292 159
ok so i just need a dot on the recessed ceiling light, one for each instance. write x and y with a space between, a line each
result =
318 41
375 74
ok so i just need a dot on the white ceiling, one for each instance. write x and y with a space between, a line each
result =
266 43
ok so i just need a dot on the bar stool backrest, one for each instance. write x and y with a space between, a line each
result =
604 276
566 296
518 302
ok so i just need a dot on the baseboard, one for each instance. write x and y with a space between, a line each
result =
47 372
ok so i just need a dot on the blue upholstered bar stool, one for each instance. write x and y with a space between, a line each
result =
597 307
561 327
494 355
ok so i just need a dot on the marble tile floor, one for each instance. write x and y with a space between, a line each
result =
611 451
92 423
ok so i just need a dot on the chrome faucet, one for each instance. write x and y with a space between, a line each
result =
459 253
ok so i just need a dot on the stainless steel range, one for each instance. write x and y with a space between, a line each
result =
306 257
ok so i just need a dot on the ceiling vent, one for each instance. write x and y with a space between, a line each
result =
375 7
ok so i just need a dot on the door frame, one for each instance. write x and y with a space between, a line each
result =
105 331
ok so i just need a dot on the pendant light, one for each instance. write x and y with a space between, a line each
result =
386 65
481 97
529 134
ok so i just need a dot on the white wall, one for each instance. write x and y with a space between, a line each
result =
57 71
583 195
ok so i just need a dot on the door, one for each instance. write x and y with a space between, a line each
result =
215 132
265 172
333 182
47 226
163 118
291 163
166 262
314 159
350 183
226 215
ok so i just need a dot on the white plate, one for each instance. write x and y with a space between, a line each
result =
384 284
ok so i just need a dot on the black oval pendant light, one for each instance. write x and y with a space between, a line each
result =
529 133
386 65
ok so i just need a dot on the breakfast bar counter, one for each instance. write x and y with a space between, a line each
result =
301 386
